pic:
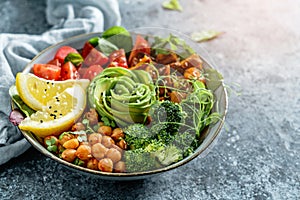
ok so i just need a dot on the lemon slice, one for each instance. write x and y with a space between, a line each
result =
59 114
36 92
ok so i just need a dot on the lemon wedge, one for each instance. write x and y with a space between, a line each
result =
36 92
59 114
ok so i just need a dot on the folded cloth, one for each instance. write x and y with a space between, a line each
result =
69 18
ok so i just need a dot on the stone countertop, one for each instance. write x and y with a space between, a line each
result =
257 154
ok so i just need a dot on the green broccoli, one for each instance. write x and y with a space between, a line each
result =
137 136
167 118
153 156
140 160
168 155
187 141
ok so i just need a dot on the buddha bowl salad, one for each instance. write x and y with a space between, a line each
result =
118 104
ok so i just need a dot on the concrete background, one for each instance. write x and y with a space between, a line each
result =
256 156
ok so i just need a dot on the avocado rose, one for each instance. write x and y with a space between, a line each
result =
122 95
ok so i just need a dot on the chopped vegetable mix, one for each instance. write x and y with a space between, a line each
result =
148 101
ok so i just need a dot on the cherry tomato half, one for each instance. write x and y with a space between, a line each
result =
95 57
141 47
47 71
86 49
118 59
62 52
69 71
54 62
92 71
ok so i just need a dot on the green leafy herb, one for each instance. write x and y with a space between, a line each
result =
106 47
74 58
205 35
118 36
108 122
214 78
172 44
172 5
94 41
19 102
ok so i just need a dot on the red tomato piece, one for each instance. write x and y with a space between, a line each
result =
118 59
86 49
62 52
92 71
54 62
47 71
69 71
81 71
140 48
95 57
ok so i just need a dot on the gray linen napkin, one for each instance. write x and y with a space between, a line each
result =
69 18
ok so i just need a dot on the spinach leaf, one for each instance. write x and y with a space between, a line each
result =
172 44
172 5
19 102
205 35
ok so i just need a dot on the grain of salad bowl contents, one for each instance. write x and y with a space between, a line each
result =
119 105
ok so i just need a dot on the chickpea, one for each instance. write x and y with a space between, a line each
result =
117 147
50 140
92 164
92 116
117 134
69 155
71 144
100 124
51 143
113 154
65 137
122 144
94 138
84 152
98 151
78 127
107 141
105 165
106 130
119 167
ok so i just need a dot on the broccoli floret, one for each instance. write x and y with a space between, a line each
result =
153 156
186 141
140 160
168 155
167 118
137 136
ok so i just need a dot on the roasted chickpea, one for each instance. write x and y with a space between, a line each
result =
92 164
94 138
105 130
84 152
51 143
71 144
113 154
100 124
117 134
69 155
78 127
50 140
117 147
92 116
65 137
105 165
122 144
107 141
98 151
119 167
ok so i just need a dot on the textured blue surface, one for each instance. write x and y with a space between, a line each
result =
257 154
